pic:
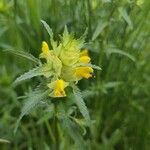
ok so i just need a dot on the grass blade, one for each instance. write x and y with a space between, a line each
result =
120 52
100 27
4 141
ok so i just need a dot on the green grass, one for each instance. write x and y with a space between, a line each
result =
118 97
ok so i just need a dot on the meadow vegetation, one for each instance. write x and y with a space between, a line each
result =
117 97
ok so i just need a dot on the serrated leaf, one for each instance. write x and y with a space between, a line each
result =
30 103
24 55
48 29
88 93
80 103
30 74
120 52
100 27
50 32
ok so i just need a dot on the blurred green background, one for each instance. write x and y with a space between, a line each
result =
118 97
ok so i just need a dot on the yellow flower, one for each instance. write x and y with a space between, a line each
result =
70 51
84 72
53 63
84 58
45 50
58 87
65 64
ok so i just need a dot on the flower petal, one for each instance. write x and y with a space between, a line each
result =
84 72
58 87
85 59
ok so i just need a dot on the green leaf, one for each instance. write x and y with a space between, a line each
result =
112 84
70 126
38 71
3 30
120 52
48 29
126 17
49 113
4 141
112 141
65 33
82 38
115 137
50 32
30 74
30 103
100 27
95 67
24 55
88 93
72 129
46 146
92 66
80 103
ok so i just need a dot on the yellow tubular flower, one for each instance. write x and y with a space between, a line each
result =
85 59
59 87
84 72
45 50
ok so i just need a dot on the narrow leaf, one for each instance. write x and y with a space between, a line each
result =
112 84
80 103
30 103
30 74
121 52
115 137
95 67
126 17
82 38
73 131
88 93
4 141
92 66
24 55
100 27
48 29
